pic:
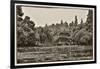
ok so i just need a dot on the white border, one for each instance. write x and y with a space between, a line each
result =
58 61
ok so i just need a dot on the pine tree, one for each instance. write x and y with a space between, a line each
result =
90 17
81 24
61 21
89 21
76 21
46 25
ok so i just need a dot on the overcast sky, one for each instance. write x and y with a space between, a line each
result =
42 16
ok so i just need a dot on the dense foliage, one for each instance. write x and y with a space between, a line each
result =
62 33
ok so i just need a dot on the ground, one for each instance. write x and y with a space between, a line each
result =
53 53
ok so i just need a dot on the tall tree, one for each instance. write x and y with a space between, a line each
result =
61 21
89 21
46 25
76 21
81 24
90 17
25 28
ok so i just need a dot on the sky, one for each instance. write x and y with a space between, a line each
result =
42 16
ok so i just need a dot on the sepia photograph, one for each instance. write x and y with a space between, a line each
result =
49 34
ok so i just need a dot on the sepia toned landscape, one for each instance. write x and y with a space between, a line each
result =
53 41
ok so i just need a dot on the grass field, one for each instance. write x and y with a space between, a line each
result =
53 53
